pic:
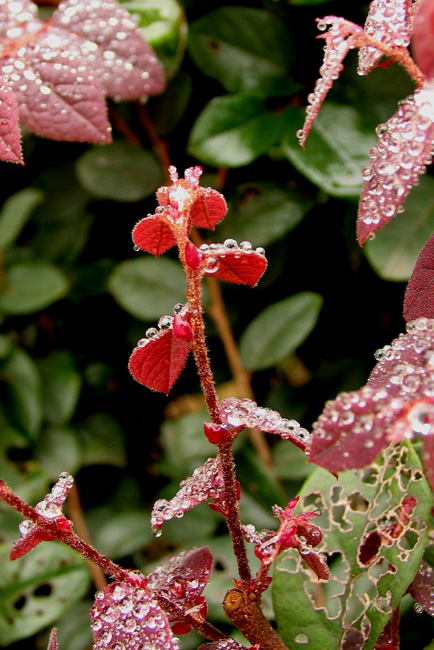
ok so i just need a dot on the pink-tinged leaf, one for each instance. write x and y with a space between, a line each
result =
158 361
403 151
241 265
395 404
208 208
423 37
52 641
205 483
390 23
341 37
10 138
125 66
50 508
419 294
17 21
57 94
246 413
183 578
153 235
422 587
128 617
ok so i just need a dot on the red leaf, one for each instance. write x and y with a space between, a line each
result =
404 146
125 66
10 139
423 37
157 362
153 235
126 616
422 587
52 641
208 208
419 295
240 265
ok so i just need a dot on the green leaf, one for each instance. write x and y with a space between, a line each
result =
257 478
164 27
119 171
262 213
15 213
148 288
59 450
290 463
61 384
366 587
337 148
23 382
279 330
185 444
73 629
38 588
245 49
103 441
394 251
123 533
31 286
234 130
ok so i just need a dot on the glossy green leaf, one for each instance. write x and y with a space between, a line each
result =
123 533
119 171
15 213
38 588
164 27
279 330
148 288
59 450
61 383
394 251
23 382
234 130
245 49
30 286
367 585
262 213
337 149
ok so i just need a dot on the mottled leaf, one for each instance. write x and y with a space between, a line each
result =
419 294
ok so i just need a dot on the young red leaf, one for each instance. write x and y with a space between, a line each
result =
389 23
228 262
423 37
205 483
153 235
422 587
158 361
341 37
246 413
10 139
419 294
128 617
403 150
124 65
52 641
184 576
208 208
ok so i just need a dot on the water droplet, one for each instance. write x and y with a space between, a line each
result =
151 332
212 265
230 243
165 322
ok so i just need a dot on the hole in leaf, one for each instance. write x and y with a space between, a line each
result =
43 590
213 45
20 602
357 502
370 476
338 516
218 566
369 548
18 454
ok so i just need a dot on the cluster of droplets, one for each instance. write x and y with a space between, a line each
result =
205 483
18 18
246 413
52 504
218 251
390 23
164 323
191 174
126 617
403 151
341 37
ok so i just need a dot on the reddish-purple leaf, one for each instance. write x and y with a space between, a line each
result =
389 23
124 65
52 641
153 235
205 483
208 208
403 150
226 644
395 404
241 265
10 139
423 37
246 413
341 37
422 587
128 617
157 362
419 294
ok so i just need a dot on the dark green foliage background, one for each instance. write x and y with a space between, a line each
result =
75 298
